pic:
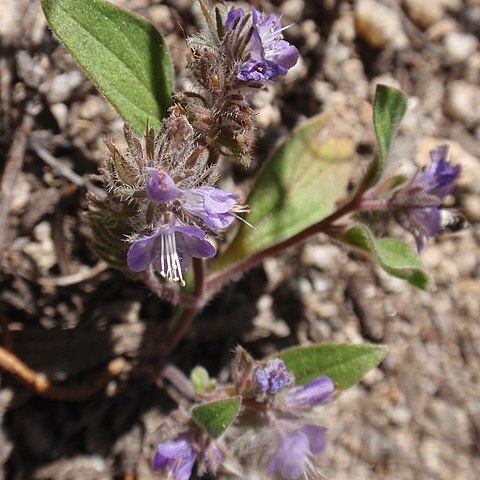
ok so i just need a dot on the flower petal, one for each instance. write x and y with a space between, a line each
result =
234 17
142 252
316 437
319 390
161 187
191 242
178 457
289 459
212 205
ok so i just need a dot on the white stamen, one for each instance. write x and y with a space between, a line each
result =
170 259
162 257
244 221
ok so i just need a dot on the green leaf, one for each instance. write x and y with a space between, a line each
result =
216 417
298 187
389 107
344 364
122 53
394 256
201 381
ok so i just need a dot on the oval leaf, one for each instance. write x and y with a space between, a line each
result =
389 107
122 53
394 256
344 364
216 417
299 186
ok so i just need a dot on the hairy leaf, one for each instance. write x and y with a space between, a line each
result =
298 187
216 417
389 107
344 364
122 53
394 256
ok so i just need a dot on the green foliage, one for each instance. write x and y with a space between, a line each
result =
389 108
216 417
201 381
122 53
344 364
394 256
298 187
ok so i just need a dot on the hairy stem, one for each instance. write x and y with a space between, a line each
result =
188 314
215 282
166 293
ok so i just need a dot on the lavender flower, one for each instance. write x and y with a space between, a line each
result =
215 207
169 248
415 205
177 457
319 390
172 242
268 54
273 377
291 460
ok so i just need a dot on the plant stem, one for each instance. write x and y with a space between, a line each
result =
165 293
187 315
367 204
215 282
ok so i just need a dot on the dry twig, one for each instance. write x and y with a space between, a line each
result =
44 387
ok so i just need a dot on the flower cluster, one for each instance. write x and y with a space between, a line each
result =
286 443
172 242
164 182
236 52
295 442
267 54
273 429
273 377
416 204
161 193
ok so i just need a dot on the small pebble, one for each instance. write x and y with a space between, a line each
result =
422 15
459 46
463 102
379 25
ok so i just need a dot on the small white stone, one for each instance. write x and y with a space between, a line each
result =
379 25
321 256
424 16
463 102
60 112
60 90
459 46
43 249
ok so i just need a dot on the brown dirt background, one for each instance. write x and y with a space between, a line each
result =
66 315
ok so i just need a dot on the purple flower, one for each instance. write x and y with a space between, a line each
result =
415 205
214 206
291 460
439 177
169 249
177 457
273 377
319 390
171 244
160 186
269 55
234 17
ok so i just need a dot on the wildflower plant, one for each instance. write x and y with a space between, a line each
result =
162 216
